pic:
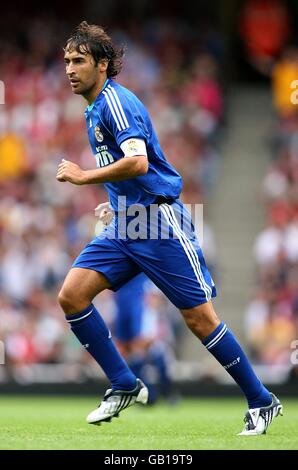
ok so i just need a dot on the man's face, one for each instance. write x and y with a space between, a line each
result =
82 71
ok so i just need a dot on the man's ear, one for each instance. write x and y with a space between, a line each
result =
103 65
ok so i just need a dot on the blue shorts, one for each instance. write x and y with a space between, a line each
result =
129 309
174 263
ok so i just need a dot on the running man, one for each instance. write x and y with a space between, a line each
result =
136 175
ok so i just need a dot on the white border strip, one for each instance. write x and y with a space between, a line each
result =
120 105
81 318
116 109
112 110
217 338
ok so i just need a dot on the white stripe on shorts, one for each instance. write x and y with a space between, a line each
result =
188 249
192 251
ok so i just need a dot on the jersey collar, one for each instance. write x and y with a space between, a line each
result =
91 106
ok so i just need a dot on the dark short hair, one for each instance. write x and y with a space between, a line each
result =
92 39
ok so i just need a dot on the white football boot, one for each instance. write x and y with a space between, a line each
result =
257 420
115 401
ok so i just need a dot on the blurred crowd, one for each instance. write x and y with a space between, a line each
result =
257 17
44 224
272 316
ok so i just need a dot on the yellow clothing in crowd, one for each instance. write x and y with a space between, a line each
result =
12 156
284 74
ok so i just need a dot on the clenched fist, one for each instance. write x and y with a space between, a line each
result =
69 171
104 212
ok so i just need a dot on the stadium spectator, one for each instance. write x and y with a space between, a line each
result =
264 15
271 316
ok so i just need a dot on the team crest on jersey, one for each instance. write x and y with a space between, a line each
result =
98 134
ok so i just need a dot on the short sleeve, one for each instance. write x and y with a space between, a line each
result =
123 117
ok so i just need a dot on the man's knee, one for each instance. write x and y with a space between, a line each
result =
201 320
79 289
71 302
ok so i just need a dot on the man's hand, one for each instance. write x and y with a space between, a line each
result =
69 171
104 212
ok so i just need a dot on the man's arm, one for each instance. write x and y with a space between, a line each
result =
126 168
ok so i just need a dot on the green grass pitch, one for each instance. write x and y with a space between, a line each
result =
59 423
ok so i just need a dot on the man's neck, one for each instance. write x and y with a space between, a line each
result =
92 94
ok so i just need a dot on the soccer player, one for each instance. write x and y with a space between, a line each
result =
136 175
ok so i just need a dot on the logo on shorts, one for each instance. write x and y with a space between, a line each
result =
98 134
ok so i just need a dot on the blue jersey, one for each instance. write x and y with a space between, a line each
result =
118 115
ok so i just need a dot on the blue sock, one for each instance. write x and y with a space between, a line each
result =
226 349
93 334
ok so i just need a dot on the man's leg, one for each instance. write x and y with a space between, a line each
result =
78 290
221 343
177 266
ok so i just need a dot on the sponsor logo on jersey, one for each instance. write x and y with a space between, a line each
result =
103 157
